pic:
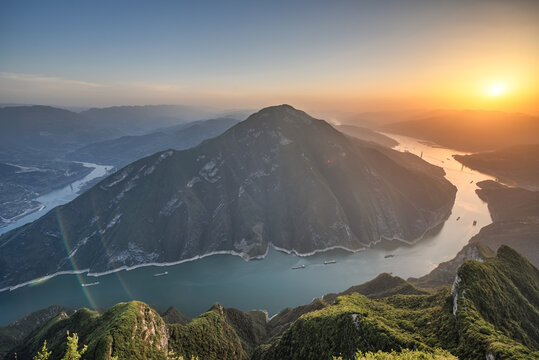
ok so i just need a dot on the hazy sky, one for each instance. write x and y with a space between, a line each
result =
348 55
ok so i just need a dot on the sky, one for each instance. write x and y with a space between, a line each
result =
350 56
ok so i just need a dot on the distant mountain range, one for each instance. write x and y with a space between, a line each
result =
45 141
126 149
490 312
515 165
470 130
35 133
280 177
137 120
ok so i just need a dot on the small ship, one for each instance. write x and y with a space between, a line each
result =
90 284
161 274
327 262
298 267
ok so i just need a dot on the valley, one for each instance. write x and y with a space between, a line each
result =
193 286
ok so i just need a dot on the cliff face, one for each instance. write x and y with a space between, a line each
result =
279 177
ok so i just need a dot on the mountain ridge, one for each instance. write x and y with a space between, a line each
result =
280 177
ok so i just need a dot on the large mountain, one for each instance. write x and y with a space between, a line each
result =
280 177
490 313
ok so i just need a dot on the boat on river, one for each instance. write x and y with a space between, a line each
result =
161 274
327 262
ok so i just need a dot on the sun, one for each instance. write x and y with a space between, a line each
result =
496 90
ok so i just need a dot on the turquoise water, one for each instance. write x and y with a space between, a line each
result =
268 284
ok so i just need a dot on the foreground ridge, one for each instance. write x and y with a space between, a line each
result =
492 311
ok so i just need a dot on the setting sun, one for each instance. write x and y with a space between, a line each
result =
496 90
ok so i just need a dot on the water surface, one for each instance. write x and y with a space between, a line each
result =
59 196
270 283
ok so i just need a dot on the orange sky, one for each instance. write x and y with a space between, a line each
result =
348 57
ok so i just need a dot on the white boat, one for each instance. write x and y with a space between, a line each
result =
161 274
90 284
298 267
327 262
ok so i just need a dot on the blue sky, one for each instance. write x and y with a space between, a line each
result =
234 53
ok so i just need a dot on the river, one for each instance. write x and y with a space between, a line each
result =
59 196
270 284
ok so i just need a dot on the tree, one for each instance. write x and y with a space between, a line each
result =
72 352
43 354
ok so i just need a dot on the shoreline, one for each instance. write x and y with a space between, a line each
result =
244 256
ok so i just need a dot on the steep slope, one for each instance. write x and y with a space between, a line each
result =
496 304
128 330
14 333
471 130
280 177
517 165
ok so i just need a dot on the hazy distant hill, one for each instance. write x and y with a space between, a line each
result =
279 177
471 130
515 213
366 134
39 137
136 120
33 133
126 149
44 132
516 165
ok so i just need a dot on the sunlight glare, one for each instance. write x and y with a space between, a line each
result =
496 90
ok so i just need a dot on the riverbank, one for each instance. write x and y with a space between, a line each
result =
59 196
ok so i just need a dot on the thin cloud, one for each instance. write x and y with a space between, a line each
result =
41 79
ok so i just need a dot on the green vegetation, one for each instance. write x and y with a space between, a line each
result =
491 310
208 336
72 348
498 307
355 322
43 354
404 355
384 285
14 333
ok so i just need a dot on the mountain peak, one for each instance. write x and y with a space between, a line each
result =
282 112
